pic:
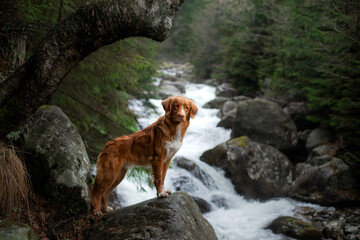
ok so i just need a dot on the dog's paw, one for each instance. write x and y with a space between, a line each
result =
108 209
97 213
163 194
168 192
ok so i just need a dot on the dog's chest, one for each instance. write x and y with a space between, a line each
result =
174 145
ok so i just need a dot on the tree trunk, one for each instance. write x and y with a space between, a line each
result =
93 25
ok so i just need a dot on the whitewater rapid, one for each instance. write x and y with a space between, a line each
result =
236 218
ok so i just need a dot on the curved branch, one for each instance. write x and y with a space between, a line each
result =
92 26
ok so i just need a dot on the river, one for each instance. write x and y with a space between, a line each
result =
235 218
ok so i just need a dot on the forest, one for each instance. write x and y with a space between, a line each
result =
286 50
283 51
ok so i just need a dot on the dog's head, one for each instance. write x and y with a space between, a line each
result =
179 109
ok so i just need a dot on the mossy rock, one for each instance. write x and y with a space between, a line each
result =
10 230
241 141
295 228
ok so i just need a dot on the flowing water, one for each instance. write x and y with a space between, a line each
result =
231 215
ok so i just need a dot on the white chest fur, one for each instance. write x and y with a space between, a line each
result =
174 145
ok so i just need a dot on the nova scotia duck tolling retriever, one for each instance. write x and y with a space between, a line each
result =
153 147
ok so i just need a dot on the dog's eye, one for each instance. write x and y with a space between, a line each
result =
187 108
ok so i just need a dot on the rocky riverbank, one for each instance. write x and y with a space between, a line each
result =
275 151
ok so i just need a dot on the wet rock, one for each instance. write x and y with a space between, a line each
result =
183 183
115 201
228 120
265 122
16 230
317 137
332 183
196 171
203 205
219 201
175 217
226 90
334 229
257 170
229 106
295 228
217 102
169 88
212 82
57 159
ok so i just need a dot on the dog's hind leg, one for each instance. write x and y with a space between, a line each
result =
105 197
106 175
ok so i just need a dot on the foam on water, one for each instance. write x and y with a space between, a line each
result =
237 218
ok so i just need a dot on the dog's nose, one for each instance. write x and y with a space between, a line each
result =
181 114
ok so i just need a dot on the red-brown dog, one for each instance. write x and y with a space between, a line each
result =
153 146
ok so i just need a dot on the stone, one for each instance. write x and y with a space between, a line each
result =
16 231
317 137
226 90
174 217
219 201
168 90
332 183
56 158
295 228
325 149
228 120
196 171
203 205
257 170
265 122
229 106
299 112
217 102
334 229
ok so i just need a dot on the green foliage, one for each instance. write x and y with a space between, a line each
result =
141 176
182 34
94 94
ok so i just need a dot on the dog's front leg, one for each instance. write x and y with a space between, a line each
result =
157 170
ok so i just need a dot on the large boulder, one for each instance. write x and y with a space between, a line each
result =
16 231
175 217
265 122
331 183
295 228
257 170
56 158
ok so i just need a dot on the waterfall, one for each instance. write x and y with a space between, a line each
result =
231 215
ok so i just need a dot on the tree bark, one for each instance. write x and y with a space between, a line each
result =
93 25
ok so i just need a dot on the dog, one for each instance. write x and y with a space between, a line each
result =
152 147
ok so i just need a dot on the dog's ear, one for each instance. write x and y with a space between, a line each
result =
193 110
166 104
